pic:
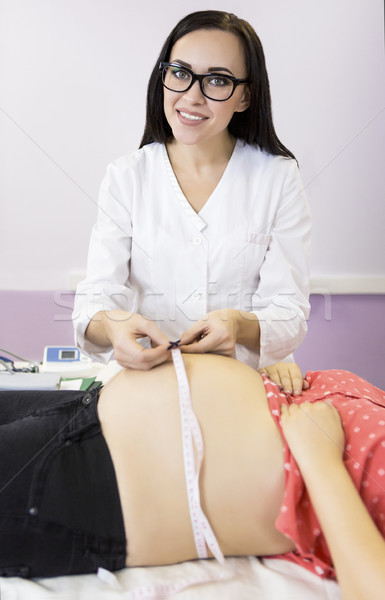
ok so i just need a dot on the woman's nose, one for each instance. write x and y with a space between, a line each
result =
194 94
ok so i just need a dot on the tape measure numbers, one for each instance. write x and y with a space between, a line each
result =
204 536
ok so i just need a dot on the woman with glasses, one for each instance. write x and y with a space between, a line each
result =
203 233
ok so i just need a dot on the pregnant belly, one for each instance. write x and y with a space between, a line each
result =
241 482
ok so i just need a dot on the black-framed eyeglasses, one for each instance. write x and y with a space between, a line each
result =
215 86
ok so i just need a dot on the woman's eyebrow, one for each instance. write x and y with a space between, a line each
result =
210 69
220 69
181 62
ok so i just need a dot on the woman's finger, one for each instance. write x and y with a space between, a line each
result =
150 357
149 329
297 383
205 344
193 333
273 374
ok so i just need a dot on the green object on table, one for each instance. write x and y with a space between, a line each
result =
88 383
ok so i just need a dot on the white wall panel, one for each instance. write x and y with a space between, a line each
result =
73 77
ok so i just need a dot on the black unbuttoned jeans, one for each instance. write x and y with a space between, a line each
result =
60 511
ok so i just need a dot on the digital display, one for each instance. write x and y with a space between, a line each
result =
67 354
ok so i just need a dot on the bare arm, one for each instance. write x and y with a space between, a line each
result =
316 439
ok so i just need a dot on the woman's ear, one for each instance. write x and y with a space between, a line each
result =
244 102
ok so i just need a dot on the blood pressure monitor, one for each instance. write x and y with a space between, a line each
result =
67 360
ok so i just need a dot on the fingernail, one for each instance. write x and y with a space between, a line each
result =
297 393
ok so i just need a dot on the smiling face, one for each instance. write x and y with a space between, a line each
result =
193 118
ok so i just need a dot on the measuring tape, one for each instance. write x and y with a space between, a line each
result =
191 436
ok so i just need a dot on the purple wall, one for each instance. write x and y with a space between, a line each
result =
345 331
29 321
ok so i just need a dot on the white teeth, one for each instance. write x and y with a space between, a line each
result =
191 117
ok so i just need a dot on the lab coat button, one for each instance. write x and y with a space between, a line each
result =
196 296
196 241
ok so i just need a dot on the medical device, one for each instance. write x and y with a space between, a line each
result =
67 360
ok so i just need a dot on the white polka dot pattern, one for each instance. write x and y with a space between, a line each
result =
362 410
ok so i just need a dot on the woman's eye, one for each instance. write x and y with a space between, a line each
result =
179 74
219 81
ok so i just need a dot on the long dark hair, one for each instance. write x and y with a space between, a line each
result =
255 124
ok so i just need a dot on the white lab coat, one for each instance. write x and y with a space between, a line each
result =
248 248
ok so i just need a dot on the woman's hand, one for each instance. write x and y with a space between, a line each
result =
287 376
216 332
220 330
121 329
314 434
316 439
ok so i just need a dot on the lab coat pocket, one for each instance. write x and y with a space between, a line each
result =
254 252
260 239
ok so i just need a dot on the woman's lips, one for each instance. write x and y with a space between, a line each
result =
189 118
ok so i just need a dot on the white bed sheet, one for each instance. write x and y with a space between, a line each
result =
271 579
